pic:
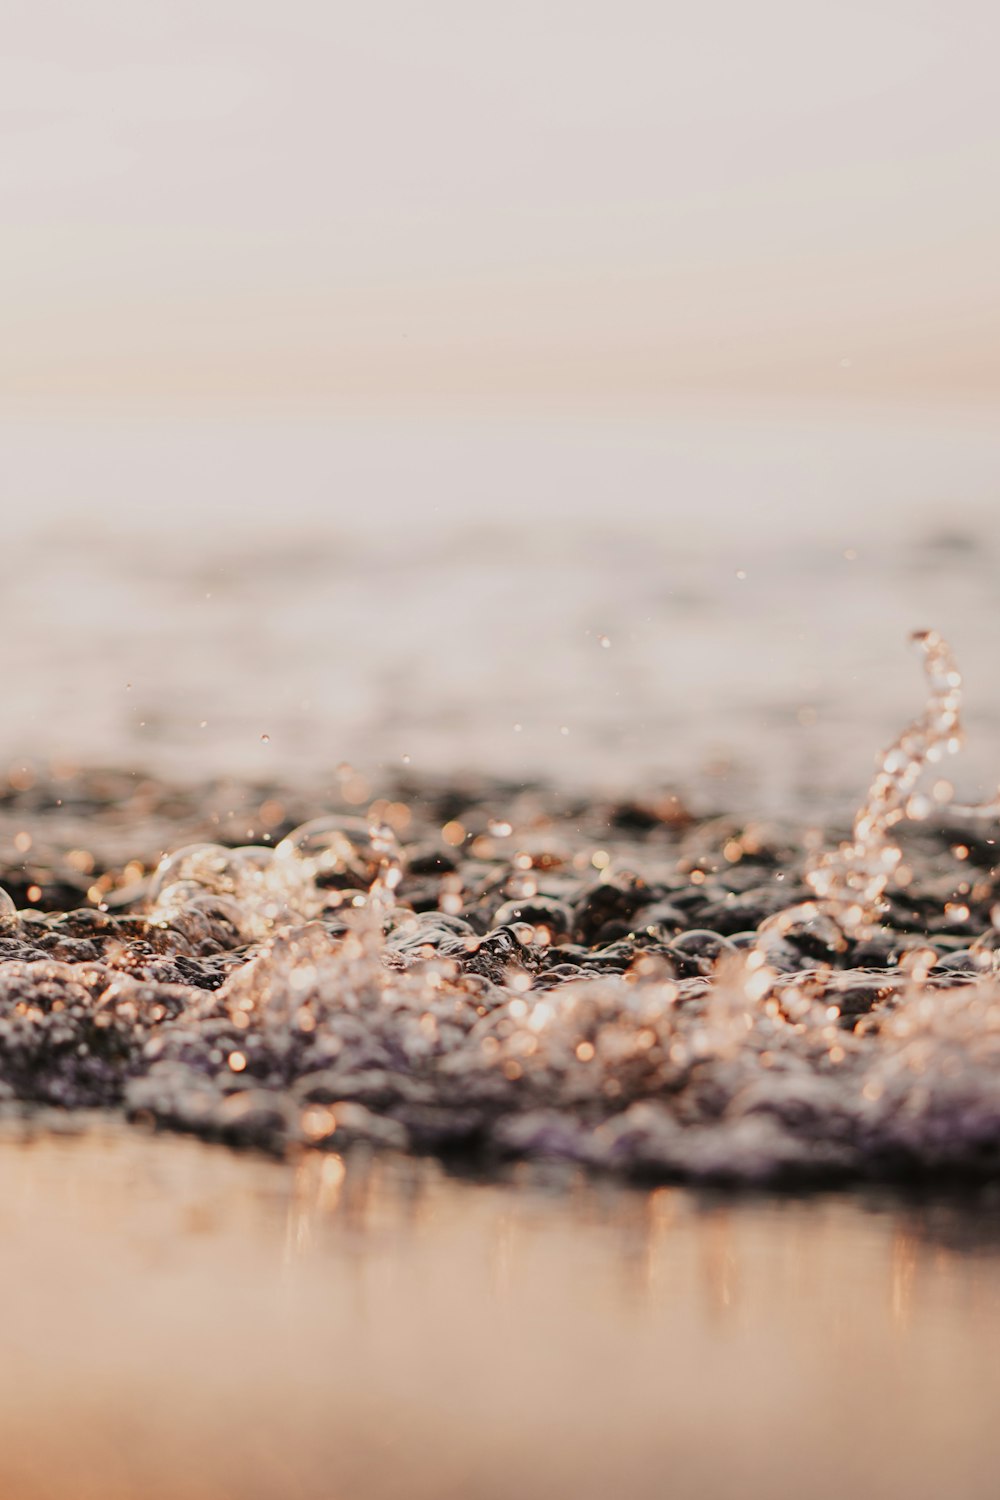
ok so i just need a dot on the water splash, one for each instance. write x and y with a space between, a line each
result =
849 882
605 984
343 853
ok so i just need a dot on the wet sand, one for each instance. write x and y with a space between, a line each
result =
185 1321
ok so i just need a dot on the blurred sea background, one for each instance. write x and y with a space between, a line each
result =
363 373
713 599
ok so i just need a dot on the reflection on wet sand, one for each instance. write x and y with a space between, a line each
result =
185 1321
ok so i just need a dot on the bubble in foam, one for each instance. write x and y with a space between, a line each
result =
350 852
253 890
210 866
8 911
202 916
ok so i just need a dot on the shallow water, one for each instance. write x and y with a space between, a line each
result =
182 1321
507 971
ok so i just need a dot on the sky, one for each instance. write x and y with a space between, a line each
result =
240 201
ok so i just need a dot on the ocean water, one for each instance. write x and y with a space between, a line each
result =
530 634
606 600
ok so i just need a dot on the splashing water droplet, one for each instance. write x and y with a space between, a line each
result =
849 882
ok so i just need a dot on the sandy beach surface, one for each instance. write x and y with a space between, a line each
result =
183 1321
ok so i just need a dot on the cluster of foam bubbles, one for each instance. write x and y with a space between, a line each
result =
260 890
292 996
630 1073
